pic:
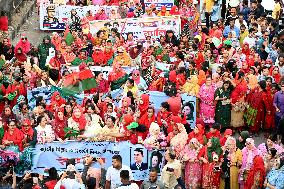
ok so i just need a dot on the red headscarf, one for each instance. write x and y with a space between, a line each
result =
144 107
28 132
199 135
21 56
173 76
144 120
127 120
257 168
59 124
26 46
54 101
81 120
174 10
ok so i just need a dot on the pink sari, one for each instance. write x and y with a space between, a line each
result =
193 170
207 107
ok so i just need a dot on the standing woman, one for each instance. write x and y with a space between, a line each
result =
231 164
238 100
193 168
223 107
210 157
206 96
256 175
249 152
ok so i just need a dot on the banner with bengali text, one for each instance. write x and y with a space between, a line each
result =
56 154
141 27
160 3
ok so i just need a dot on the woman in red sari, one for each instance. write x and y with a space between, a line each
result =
238 100
259 108
144 104
210 155
59 123
164 115
7 115
13 136
14 90
29 133
55 65
198 133
148 117
56 102
256 174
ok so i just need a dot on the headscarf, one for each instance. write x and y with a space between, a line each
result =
257 168
29 132
26 47
137 81
173 76
244 135
215 147
145 120
199 135
58 102
252 81
127 120
81 120
20 56
144 107
174 10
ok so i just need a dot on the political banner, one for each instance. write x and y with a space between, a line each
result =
46 93
160 3
140 27
105 70
56 16
56 154
189 109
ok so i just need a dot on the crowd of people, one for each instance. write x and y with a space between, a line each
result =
233 64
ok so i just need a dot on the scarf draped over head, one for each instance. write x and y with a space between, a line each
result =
25 46
58 102
137 80
215 147
127 120
29 132
128 100
145 98
81 120
257 168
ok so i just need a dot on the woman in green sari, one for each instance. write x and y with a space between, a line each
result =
117 77
43 51
223 107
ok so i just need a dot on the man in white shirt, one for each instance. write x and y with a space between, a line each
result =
113 173
126 184
250 39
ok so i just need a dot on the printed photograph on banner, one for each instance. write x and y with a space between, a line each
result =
156 160
49 18
189 109
159 3
138 159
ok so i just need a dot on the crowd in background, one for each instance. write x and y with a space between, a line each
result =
233 65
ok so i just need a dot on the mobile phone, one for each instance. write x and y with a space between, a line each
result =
170 169
216 169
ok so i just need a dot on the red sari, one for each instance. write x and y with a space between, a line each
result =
59 125
256 174
145 120
210 178
166 116
145 105
17 137
199 135
259 103
54 103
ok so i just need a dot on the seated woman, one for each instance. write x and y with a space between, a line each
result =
55 64
29 134
59 123
13 137
110 127
45 133
256 174
130 86
139 80
93 127
76 124
117 77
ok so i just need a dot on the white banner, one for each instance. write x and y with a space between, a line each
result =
160 3
56 154
141 27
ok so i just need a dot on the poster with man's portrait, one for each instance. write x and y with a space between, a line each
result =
139 162
188 109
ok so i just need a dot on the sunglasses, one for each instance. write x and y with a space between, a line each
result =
25 125
24 38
